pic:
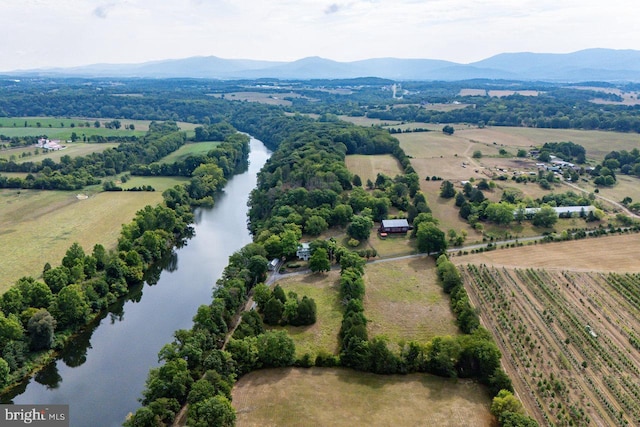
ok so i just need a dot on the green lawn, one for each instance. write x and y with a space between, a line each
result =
323 335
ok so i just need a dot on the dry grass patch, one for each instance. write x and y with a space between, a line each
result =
426 145
39 226
366 121
369 166
260 97
341 397
610 253
325 290
391 246
404 301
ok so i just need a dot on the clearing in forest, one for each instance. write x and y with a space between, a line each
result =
343 397
369 166
322 335
403 301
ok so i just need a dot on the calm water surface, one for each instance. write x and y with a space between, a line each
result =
102 375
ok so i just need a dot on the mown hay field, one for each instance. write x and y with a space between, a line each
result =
369 166
72 150
342 397
597 143
404 301
39 226
608 253
325 290
191 149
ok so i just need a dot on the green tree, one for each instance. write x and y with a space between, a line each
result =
447 190
214 411
10 329
41 329
306 312
261 294
70 307
430 238
319 261
505 401
360 228
4 373
276 349
316 225
171 380
500 213
448 130
272 311
545 217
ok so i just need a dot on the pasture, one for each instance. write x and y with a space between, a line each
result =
323 335
369 166
39 226
190 149
342 397
605 254
28 154
159 183
404 301
269 98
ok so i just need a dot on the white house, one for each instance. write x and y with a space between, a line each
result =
304 251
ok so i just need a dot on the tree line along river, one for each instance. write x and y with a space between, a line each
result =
101 375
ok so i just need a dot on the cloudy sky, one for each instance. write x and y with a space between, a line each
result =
62 33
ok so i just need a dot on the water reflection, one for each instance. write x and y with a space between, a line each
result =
102 374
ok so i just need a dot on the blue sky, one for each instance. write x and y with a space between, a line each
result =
63 33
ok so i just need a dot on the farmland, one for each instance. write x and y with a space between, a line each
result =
28 154
368 167
404 301
322 335
191 149
39 226
342 397
568 339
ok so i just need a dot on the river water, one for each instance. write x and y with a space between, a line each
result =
102 375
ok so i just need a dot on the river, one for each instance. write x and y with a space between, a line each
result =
102 374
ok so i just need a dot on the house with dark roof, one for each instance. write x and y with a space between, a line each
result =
394 226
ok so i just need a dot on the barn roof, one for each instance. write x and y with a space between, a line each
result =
395 223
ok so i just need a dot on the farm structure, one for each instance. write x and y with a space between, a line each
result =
561 210
394 226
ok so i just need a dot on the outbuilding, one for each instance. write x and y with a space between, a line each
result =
394 226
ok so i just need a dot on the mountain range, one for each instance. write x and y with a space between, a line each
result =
586 65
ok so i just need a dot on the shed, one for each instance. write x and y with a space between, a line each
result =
394 226
273 264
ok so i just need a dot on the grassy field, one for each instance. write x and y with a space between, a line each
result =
403 301
341 397
610 253
366 121
597 143
160 183
368 167
261 97
39 226
72 150
191 149
323 335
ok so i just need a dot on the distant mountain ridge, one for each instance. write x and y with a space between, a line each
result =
585 65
